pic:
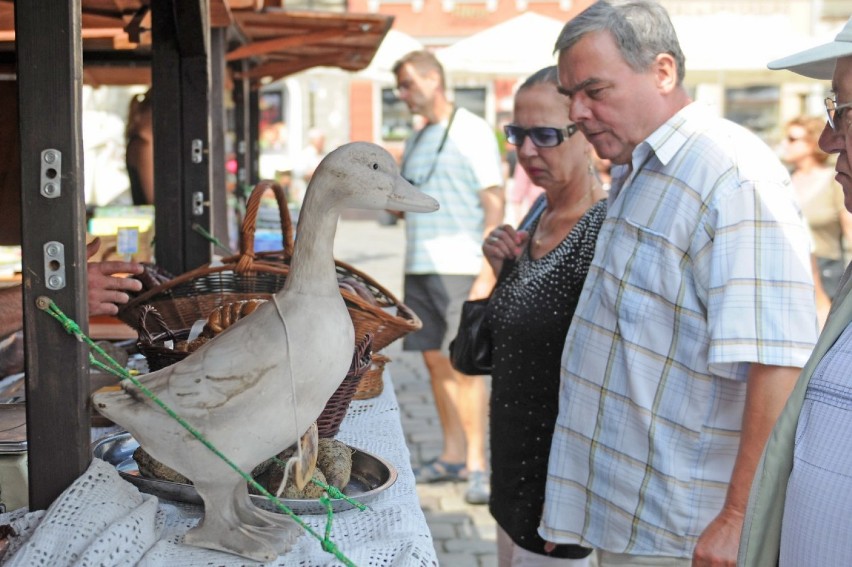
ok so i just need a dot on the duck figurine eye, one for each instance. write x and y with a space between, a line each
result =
375 165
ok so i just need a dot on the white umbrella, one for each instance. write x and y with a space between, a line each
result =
514 48
395 45
736 42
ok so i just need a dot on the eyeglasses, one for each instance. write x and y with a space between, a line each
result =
541 136
835 111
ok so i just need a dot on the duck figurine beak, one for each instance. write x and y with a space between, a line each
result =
406 197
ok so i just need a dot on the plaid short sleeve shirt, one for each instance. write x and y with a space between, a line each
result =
702 267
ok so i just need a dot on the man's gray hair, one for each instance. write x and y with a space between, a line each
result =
641 29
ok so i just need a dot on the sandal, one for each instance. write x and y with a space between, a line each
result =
437 470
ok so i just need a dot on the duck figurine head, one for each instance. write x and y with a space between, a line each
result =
257 387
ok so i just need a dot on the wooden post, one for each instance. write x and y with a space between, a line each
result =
49 67
181 100
218 126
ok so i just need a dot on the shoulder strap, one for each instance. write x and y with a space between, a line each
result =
437 154
535 211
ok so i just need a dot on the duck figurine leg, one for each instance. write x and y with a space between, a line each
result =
258 386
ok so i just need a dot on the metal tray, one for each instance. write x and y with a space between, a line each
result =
371 475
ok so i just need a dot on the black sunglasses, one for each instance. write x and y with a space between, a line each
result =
541 136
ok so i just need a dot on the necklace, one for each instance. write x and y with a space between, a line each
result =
540 239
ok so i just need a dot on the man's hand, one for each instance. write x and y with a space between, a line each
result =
106 291
720 542
766 393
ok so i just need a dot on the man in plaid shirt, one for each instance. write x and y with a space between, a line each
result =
695 319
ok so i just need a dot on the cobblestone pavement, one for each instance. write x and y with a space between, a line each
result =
464 535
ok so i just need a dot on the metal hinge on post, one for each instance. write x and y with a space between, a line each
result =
54 265
197 151
50 187
198 203
51 173
197 156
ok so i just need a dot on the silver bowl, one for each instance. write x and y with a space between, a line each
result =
371 475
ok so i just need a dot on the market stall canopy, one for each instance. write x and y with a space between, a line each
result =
273 41
514 48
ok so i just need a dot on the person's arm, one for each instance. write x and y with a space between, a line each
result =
767 391
494 207
106 291
11 316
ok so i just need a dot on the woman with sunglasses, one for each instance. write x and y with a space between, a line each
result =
822 202
530 310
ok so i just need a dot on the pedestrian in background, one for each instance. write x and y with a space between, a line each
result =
139 151
455 159
695 318
820 198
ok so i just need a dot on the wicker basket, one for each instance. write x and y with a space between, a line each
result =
328 423
152 345
386 318
372 384
249 275
194 294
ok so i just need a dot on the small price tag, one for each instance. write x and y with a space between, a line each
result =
127 241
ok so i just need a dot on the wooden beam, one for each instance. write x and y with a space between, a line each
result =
277 69
244 147
192 19
195 103
269 46
181 108
50 61
218 126
168 158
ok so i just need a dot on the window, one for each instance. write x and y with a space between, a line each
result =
396 120
471 98
756 108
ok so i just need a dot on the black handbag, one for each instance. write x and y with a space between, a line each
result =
470 351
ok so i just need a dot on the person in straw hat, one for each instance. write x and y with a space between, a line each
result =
800 506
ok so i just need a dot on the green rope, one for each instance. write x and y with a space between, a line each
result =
332 491
46 304
210 238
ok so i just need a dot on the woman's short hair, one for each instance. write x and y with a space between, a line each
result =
548 75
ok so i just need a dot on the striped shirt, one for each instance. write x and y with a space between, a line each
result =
702 267
449 241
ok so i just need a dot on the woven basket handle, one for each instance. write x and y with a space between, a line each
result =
145 334
250 223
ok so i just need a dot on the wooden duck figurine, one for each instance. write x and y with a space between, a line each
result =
258 386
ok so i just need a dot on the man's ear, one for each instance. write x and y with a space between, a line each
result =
665 70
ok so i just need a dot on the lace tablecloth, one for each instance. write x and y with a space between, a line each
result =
104 520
